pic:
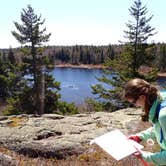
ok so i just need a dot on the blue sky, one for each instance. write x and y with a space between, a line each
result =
85 22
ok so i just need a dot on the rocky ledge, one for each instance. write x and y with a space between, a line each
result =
52 135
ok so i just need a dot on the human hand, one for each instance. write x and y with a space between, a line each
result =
138 154
135 138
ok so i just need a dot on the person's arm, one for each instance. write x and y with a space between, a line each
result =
158 158
143 135
146 134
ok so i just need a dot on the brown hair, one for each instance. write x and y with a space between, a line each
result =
137 87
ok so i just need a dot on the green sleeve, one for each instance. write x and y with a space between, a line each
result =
158 158
162 121
145 135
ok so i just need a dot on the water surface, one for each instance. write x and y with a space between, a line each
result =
76 83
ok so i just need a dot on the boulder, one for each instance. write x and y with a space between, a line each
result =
52 135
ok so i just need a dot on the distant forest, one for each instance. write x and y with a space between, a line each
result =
80 54
69 54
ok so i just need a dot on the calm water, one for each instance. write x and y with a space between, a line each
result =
76 83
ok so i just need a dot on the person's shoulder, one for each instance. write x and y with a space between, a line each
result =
163 94
162 114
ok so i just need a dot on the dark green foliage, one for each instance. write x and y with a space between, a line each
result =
67 108
93 105
138 33
162 58
21 103
40 84
51 93
29 31
125 66
24 101
120 71
111 52
40 95
11 56
81 54
139 29
10 80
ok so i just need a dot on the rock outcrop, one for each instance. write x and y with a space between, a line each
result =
52 135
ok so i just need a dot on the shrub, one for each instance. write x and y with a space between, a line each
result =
93 105
67 108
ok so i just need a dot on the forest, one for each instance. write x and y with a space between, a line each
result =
81 54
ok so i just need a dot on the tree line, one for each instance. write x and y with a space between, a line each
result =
94 55
75 55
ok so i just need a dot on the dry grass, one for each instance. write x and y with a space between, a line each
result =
92 157
17 121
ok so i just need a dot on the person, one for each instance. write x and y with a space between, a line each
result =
141 93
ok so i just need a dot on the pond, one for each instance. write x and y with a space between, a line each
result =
76 83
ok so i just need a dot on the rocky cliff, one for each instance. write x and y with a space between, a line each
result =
52 135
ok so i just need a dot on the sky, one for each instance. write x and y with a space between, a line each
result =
81 22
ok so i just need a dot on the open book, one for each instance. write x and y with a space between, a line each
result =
117 144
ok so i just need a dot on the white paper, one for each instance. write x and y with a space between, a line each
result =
117 144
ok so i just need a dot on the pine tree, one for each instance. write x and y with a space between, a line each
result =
11 81
111 52
124 66
162 60
11 56
32 36
138 33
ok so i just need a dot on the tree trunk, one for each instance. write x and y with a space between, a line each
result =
42 90
35 79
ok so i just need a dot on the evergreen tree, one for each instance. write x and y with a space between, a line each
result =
11 81
111 52
124 66
138 33
30 35
102 57
162 60
4 56
11 56
81 54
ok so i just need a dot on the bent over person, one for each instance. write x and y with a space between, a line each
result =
141 93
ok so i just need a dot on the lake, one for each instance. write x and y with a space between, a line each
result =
76 83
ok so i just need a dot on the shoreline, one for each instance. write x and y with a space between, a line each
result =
90 66
84 66
161 75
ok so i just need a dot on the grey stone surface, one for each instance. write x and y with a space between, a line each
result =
59 136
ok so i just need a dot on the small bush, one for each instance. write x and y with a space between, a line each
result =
67 108
12 107
93 105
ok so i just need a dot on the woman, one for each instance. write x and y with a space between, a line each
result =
141 93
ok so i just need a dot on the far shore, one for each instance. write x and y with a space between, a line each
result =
99 66
84 66
162 74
